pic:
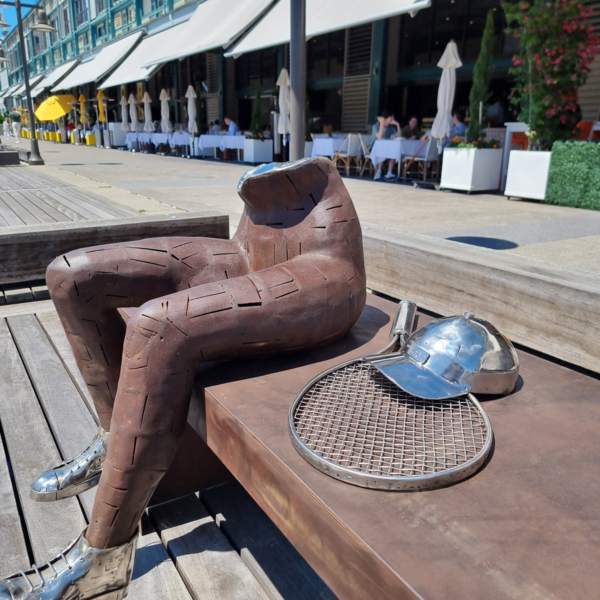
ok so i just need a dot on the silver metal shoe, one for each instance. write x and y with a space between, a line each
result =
74 476
79 573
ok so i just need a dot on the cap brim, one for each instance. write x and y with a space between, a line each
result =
416 380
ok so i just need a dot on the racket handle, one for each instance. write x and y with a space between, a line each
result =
404 321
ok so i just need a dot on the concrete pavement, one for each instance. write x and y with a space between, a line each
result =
155 184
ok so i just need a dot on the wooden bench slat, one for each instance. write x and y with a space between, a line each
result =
154 574
265 550
17 292
18 199
31 448
13 550
7 213
56 334
70 420
209 565
62 210
76 207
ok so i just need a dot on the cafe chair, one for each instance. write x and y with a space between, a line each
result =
366 154
350 152
428 164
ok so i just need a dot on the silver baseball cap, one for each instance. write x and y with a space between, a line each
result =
451 357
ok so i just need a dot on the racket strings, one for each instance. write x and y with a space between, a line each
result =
356 418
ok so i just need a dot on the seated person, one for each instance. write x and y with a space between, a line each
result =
157 127
232 128
459 129
270 289
215 128
267 132
412 131
384 129
96 128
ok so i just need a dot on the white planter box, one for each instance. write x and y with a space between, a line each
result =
527 175
471 170
258 151
308 146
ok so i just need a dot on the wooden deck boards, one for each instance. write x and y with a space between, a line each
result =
29 198
215 547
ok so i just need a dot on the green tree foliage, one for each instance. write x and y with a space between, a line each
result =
482 78
256 123
574 178
558 46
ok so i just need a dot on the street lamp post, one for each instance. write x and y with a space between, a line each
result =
35 158
297 77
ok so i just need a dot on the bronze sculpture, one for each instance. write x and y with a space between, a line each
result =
291 278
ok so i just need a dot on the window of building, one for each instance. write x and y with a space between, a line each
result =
69 49
424 37
66 20
256 69
101 5
57 55
120 19
326 55
131 14
37 46
101 30
54 36
80 8
83 40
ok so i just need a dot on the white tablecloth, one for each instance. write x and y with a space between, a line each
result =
210 141
232 142
396 149
327 146
181 139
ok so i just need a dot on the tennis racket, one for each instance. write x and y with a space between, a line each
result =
354 424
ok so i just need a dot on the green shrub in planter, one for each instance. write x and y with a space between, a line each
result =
574 178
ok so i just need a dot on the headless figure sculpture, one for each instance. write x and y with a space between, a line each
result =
292 277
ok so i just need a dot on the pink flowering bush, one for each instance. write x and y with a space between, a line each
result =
558 46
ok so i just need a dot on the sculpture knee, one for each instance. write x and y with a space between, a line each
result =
156 338
61 276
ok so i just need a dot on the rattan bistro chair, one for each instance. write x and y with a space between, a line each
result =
349 152
432 157
366 155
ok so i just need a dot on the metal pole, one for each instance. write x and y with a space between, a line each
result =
35 158
297 77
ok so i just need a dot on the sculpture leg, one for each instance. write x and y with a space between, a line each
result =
308 301
88 285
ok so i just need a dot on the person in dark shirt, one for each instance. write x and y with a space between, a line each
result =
412 130
384 129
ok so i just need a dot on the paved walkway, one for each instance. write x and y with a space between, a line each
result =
156 184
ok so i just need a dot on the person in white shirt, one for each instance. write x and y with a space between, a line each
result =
232 128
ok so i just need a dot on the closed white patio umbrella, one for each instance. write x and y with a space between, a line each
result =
133 113
165 124
450 61
148 123
283 126
124 114
191 110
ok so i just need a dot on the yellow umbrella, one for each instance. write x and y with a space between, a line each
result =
102 116
82 108
54 107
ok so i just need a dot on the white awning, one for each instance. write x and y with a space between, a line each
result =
8 92
20 91
214 24
102 64
53 77
322 16
132 68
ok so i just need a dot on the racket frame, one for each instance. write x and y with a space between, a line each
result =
383 482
